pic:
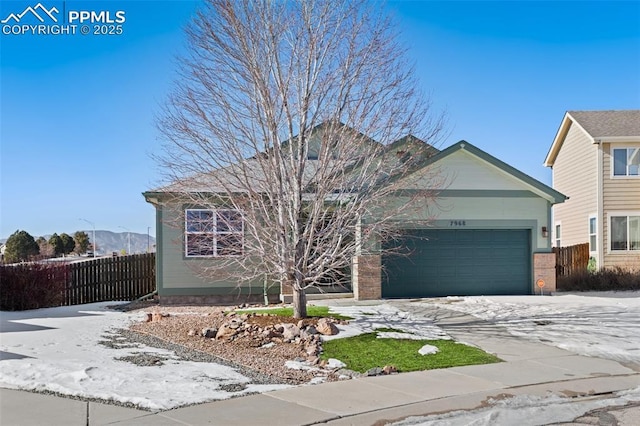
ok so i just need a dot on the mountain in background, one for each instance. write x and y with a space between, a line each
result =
108 241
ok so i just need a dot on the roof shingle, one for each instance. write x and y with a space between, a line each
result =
609 123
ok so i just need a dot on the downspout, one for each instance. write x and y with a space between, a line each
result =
600 207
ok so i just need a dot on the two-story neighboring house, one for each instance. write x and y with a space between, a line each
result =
595 158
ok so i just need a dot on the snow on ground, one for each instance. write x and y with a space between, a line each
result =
366 319
57 349
524 410
602 324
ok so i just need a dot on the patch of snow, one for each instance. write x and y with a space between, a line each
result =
524 410
335 363
58 349
301 365
366 319
428 350
599 324
398 335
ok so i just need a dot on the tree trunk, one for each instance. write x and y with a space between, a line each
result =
299 302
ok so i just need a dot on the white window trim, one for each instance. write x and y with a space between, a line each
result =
555 237
627 176
619 213
215 233
593 216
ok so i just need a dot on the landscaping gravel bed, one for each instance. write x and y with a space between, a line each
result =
180 329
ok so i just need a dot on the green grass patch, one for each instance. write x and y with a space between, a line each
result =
366 351
388 330
312 311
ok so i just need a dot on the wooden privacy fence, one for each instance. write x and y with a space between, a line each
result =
571 259
111 278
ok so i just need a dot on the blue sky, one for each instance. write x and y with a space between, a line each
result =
77 112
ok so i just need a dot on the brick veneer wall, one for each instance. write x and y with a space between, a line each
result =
544 268
367 277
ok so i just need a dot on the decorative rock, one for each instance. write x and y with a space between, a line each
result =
326 327
312 349
191 333
389 369
289 331
375 371
428 350
234 323
225 332
344 374
311 330
149 317
335 364
157 316
209 333
270 333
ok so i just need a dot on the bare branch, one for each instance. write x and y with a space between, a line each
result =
293 114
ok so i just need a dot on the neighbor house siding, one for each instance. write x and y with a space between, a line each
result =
575 175
621 195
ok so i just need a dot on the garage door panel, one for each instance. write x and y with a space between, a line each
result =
460 262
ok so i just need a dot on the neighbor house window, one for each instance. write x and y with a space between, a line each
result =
213 233
593 227
626 161
625 233
558 235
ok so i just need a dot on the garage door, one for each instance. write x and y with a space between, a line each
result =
458 262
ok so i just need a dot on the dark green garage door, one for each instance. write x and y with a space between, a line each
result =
458 262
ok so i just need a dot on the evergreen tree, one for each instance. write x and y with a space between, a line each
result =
20 246
56 242
82 242
68 244
45 248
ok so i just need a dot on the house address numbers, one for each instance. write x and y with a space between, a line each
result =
457 223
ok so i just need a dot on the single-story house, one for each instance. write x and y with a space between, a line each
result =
487 234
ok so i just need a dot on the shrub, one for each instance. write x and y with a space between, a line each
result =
32 286
607 279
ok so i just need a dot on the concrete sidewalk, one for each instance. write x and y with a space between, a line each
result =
529 368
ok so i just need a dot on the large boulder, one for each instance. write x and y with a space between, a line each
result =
225 332
326 327
289 331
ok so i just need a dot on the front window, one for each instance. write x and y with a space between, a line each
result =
213 233
626 161
592 234
558 236
625 233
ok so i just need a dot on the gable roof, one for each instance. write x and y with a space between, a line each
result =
597 125
235 177
540 188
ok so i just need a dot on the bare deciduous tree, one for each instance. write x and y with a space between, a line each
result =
285 111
